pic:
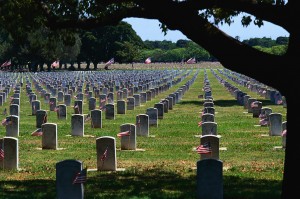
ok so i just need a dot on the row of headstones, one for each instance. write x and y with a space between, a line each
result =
12 127
16 101
103 98
275 123
4 92
10 146
157 112
131 102
99 79
68 170
142 87
131 139
272 94
266 117
257 87
107 146
209 167
49 136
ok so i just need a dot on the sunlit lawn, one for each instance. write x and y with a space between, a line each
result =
167 167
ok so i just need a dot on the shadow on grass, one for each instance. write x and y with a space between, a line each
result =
225 103
149 184
267 103
195 102
222 103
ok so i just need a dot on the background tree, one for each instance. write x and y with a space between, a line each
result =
128 52
197 20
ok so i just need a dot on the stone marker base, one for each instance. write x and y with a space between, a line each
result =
220 149
264 135
257 125
278 148
151 136
58 149
224 168
88 136
199 136
118 169
131 150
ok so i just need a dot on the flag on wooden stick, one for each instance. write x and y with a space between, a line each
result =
104 155
80 177
125 133
1 154
204 148
148 60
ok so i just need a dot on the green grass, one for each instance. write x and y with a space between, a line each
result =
166 169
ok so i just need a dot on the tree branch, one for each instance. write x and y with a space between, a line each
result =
266 11
229 51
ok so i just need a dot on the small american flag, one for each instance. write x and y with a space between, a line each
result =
76 106
1 154
37 133
279 102
254 105
148 60
191 61
284 132
110 62
204 148
264 122
199 123
7 63
125 133
80 177
56 109
6 121
88 118
55 63
104 155
102 108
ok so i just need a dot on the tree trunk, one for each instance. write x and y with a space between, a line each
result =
41 66
292 157
95 65
49 67
79 65
72 68
88 65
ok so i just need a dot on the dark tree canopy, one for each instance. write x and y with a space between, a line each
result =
197 20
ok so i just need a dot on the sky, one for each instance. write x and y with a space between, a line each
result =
149 30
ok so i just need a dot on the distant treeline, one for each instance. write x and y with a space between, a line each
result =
159 50
43 46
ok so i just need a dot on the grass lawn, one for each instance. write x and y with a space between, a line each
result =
252 169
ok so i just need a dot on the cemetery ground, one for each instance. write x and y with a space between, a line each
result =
166 168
